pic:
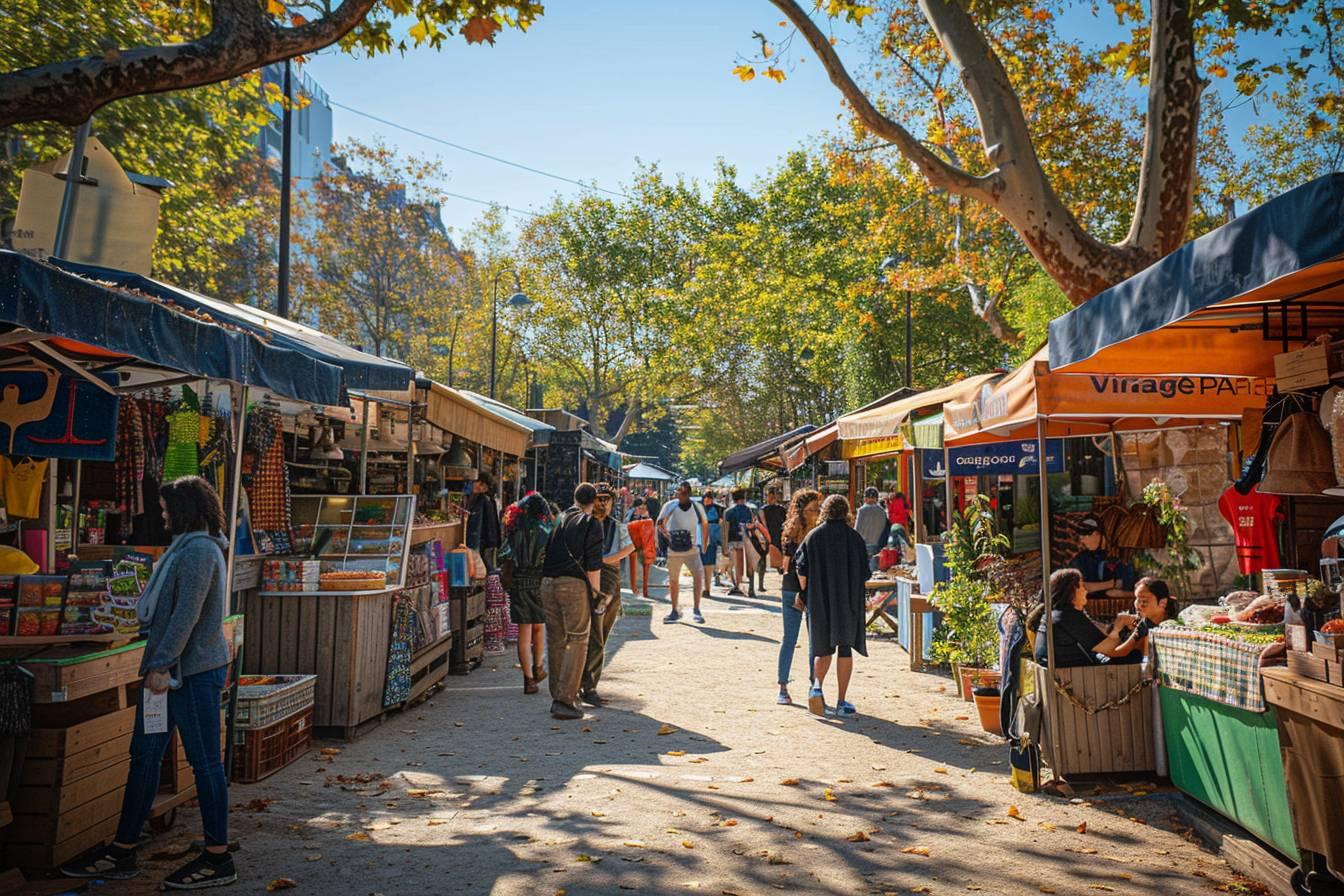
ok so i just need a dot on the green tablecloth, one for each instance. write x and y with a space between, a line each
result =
1229 760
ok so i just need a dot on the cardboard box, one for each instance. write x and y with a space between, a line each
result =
1308 367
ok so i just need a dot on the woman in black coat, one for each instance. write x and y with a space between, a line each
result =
832 567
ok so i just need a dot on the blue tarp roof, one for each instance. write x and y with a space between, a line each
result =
53 302
1244 267
361 370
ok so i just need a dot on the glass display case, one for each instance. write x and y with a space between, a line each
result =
353 534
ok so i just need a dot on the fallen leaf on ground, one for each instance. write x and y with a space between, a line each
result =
357 835
789 782
1046 890
1049 826
916 851
883 784
688 844
961 718
634 844
596 814
675 753
584 857
281 883
940 771
775 858
1101 887
1082 828
436 821
257 805
315 857
858 837
421 793
331 751
1014 812
730 823
667 729
828 795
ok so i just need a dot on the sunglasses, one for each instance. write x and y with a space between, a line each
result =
604 499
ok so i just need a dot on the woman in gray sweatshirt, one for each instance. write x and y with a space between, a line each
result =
186 655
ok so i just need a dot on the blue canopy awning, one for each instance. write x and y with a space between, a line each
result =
1225 303
51 302
361 370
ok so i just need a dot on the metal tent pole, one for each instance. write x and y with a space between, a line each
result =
364 450
74 174
240 396
1048 696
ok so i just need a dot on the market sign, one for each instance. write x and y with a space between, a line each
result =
995 459
44 414
1130 395
852 449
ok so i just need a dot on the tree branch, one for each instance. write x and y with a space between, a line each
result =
1167 172
935 170
241 38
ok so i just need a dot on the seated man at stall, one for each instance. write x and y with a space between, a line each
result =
1079 641
1104 574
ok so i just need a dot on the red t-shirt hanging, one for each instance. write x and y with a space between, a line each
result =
1254 518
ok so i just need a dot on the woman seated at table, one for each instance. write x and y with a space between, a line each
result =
1079 641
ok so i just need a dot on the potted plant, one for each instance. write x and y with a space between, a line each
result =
967 636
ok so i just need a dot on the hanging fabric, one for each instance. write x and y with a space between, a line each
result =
268 493
181 458
130 464
23 486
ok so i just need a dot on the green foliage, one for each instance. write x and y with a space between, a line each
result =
1180 558
968 633
198 139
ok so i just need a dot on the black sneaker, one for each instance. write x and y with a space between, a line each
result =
592 698
565 711
205 871
736 592
105 862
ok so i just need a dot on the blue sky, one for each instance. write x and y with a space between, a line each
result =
591 88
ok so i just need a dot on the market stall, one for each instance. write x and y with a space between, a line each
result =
1261 297
1035 432
92 365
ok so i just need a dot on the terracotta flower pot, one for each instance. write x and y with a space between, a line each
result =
973 677
988 707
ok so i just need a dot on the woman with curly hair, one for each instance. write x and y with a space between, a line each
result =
804 508
527 529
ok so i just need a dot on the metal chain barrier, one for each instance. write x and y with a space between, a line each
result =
1112 704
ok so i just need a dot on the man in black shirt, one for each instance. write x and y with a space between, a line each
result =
569 579
483 533
773 512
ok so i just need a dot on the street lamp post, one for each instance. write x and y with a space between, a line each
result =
517 300
890 262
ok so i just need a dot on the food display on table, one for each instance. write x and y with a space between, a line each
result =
353 580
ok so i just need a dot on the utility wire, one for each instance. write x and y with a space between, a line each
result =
477 152
522 213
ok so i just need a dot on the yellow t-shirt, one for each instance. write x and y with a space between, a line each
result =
23 486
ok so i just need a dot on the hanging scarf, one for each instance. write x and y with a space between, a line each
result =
149 599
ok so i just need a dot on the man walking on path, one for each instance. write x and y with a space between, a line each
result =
616 546
570 579
683 525
871 522
738 519
773 513
483 531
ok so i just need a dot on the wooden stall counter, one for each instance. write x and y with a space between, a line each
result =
344 638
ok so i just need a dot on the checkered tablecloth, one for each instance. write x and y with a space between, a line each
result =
1211 666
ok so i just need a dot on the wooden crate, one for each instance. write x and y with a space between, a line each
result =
1114 740
66 674
342 639
70 789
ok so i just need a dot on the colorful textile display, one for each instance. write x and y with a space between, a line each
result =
268 491
398 689
182 458
496 614
1212 666
130 464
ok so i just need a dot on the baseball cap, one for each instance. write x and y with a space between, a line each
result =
604 490
1089 524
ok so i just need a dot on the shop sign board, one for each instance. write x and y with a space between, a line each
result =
995 459
44 414
853 449
1156 395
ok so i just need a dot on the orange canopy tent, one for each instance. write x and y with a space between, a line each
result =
1094 403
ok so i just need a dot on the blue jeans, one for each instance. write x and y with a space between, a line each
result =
193 710
793 621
